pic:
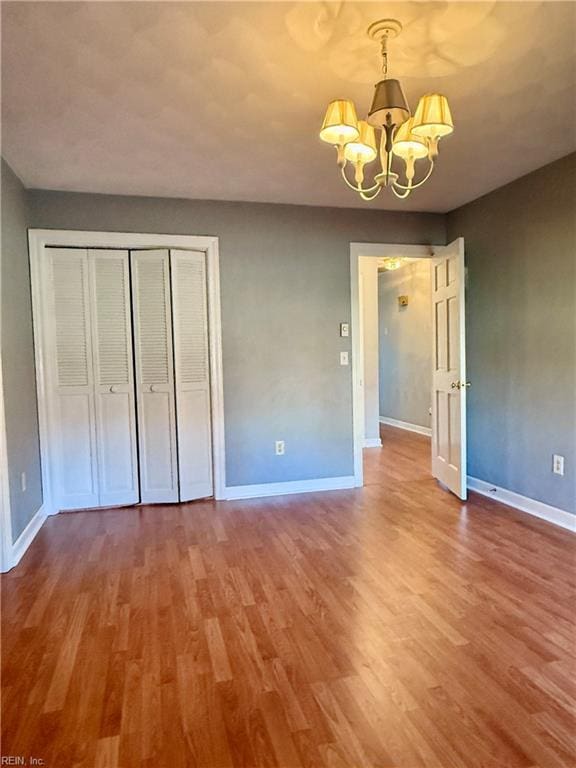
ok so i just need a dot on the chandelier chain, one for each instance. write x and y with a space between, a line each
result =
385 57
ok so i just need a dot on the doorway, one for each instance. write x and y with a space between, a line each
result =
430 402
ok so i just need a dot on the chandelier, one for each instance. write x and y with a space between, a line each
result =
404 138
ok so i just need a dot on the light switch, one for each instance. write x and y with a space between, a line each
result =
344 329
343 358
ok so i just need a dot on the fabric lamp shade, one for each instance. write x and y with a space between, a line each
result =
407 143
363 149
432 118
340 123
388 105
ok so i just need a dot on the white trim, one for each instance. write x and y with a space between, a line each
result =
523 503
5 514
406 425
372 442
27 536
377 250
292 486
38 239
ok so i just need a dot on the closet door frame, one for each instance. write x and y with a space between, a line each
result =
38 241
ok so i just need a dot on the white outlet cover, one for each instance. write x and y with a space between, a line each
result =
558 464
343 358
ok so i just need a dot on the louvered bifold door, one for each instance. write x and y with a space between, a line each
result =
113 377
189 309
154 376
70 377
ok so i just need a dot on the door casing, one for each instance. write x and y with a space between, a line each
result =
375 250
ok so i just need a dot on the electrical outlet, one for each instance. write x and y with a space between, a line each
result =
280 450
23 481
558 464
343 358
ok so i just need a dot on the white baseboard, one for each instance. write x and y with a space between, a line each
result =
27 536
406 425
372 442
293 486
523 503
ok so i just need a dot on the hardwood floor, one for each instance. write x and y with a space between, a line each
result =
386 626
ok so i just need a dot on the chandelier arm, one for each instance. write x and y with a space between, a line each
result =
419 184
354 187
401 195
371 197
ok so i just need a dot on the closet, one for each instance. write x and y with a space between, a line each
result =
128 377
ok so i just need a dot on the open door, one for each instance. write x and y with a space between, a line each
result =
449 367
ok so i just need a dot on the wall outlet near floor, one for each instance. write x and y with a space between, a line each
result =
558 464
280 450
23 481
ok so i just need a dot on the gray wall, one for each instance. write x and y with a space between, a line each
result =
285 279
285 289
405 343
18 357
521 332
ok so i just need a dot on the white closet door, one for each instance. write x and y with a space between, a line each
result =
114 378
188 275
71 378
154 376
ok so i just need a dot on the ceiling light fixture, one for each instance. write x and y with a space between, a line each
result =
404 136
391 262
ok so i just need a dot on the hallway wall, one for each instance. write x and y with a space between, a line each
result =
405 343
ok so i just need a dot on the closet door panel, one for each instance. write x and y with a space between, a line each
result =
114 377
70 376
195 458
158 458
189 302
77 451
154 376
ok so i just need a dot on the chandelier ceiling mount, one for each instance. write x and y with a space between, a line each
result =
403 136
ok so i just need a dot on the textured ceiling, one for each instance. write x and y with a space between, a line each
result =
221 100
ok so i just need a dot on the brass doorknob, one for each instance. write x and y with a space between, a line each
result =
455 385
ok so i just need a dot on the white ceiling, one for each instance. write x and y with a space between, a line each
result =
219 100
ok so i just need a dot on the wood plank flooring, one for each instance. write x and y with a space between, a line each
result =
385 627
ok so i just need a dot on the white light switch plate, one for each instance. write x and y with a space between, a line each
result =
343 358
344 329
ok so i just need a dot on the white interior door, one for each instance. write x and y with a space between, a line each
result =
114 378
154 376
449 368
188 276
70 376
